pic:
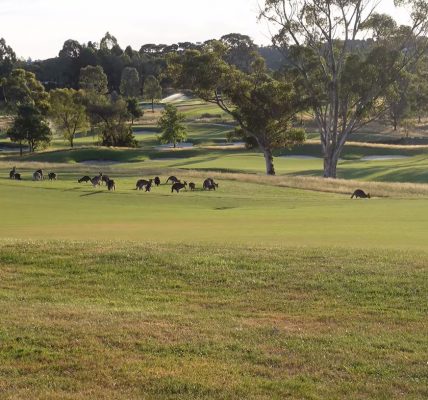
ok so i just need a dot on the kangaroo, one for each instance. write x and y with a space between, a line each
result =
12 173
177 186
173 179
37 176
17 177
105 179
148 186
157 181
96 181
210 184
111 185
40 171
360 194
52 176
85 179
192 186
143 183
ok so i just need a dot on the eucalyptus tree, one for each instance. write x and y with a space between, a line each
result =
130 82
346 82
68 112
263 107
152 90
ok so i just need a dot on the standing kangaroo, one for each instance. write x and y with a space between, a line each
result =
360 194
96 181
157 181
178 186
12 173
111 185
37 176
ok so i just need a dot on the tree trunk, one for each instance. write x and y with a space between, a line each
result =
175 145
153 105
330 167
72 142
20 149
394 123
270 169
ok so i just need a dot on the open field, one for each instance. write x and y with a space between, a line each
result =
132 321
240 212
268 288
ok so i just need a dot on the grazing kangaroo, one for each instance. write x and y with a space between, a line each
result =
360 194
192 186
210 184
52 176
12 173
157 181
96 181
148 186
111 185
177 186
40 171
17 177
142 183
105 179
85 179
37 176
173 179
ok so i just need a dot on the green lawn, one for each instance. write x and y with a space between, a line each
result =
259 290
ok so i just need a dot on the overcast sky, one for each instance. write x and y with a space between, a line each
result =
38 28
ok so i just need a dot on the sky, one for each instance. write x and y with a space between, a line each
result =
37 29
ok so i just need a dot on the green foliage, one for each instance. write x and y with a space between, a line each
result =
68 112
134 109
93 79
152 89
111 118
21 87
264 107
130 83
7 59
171 125
30 126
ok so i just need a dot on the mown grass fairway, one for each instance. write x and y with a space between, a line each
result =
239 212
110 320
268 288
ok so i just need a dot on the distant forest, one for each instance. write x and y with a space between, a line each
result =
150 60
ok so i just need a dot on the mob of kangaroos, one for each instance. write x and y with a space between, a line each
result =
177 185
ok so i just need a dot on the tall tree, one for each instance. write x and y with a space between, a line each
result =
346 85
171 125
263 107
130 82
7 59
110 116
152 90
68 112
240 50
134 109
30 126
93 79
21 87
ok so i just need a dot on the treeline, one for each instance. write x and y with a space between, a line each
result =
149 60
318 66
